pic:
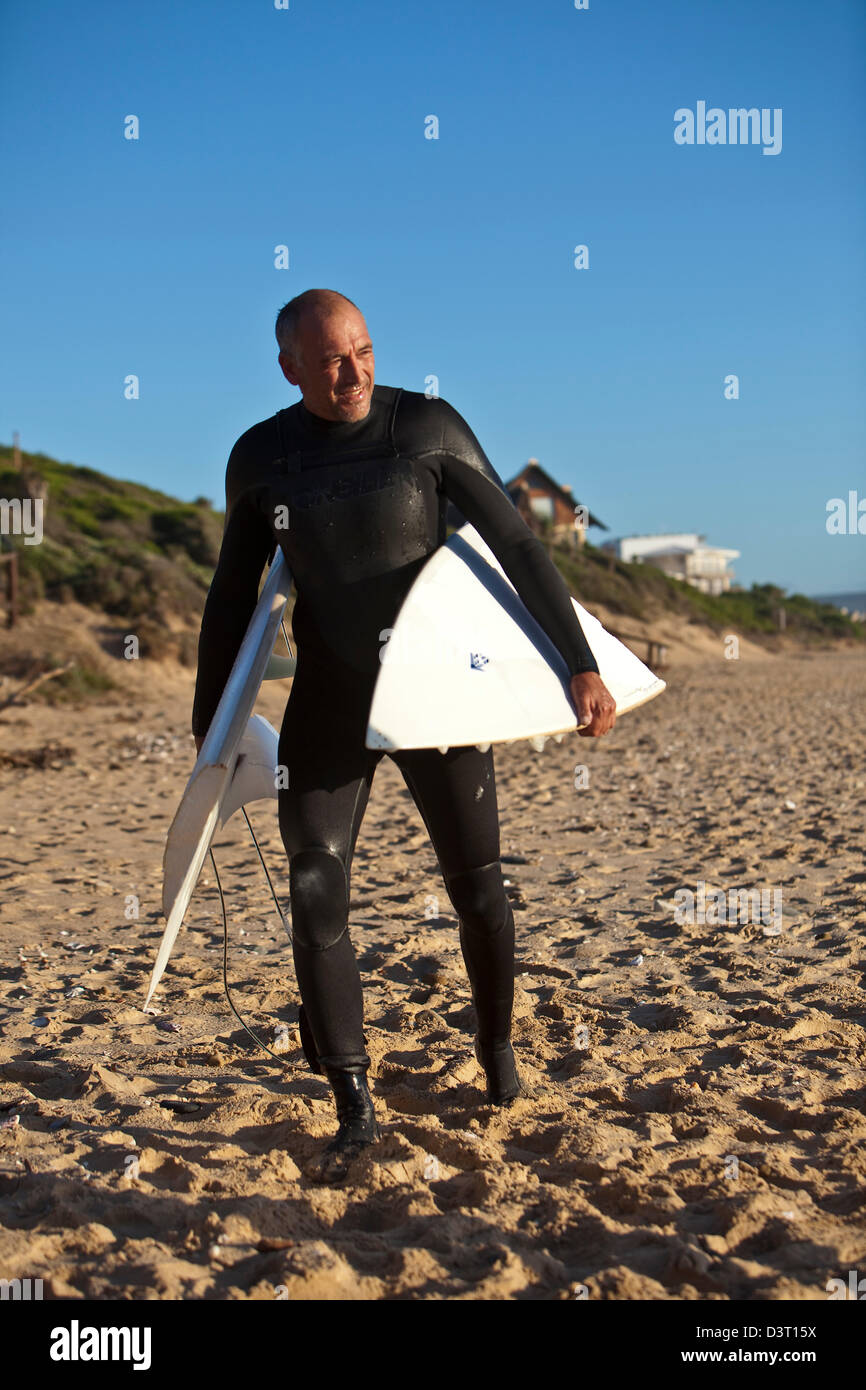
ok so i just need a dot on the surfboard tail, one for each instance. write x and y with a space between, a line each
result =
186 848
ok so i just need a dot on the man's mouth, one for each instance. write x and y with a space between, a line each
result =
355 393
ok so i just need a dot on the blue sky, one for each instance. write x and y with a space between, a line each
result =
305 127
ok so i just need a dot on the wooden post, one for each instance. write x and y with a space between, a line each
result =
12 616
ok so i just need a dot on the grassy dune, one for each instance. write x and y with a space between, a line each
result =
128 550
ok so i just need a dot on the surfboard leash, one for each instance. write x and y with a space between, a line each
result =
280 913
256 1039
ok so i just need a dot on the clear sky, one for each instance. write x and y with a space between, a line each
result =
305 126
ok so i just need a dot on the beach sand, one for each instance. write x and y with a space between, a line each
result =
697 1128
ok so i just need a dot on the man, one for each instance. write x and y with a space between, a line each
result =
353 483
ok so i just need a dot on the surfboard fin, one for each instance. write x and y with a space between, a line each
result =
255 774
280 668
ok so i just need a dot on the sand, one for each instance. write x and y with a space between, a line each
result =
697 1126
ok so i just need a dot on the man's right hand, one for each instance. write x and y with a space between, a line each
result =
596 707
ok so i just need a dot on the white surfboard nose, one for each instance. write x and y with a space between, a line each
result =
255 774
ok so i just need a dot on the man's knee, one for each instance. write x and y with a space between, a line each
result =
320 909
479 899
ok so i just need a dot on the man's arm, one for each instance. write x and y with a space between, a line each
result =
246 547
475 487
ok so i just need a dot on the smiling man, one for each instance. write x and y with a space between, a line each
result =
325 349
364 474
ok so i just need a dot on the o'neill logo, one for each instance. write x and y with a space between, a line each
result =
77 1343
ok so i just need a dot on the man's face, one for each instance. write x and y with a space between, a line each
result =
332 363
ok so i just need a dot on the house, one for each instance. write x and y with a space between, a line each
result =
546 506
549 506
683 555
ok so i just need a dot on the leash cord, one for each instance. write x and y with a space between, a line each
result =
280 913
256 1039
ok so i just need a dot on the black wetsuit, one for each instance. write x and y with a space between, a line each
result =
357 509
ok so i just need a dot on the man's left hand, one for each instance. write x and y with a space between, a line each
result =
596 707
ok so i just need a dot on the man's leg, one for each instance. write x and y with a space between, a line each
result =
325 963
321 809
455 793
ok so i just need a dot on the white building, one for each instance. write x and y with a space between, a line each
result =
683 555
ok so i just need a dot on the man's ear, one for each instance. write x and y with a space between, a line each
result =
289 368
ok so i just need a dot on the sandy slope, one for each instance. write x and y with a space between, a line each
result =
698 1128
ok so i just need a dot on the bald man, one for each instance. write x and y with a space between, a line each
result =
353 483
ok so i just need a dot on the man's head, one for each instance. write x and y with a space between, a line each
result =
325 349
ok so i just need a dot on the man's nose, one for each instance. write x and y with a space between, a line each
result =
352 374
